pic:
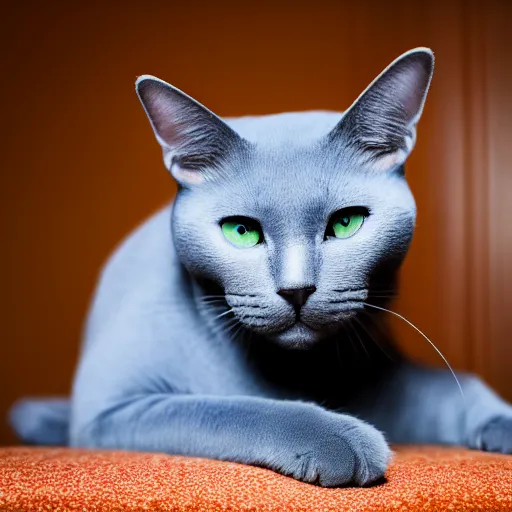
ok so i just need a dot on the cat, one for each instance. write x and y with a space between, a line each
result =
245 321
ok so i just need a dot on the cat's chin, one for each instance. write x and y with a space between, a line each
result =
298 336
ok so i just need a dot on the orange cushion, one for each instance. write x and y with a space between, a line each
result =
420 478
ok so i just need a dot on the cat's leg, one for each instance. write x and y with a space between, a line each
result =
41 421
424 405
294 438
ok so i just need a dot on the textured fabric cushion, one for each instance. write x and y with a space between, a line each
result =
420 478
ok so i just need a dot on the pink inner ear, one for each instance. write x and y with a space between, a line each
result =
389 161
187 176
163 113
411 84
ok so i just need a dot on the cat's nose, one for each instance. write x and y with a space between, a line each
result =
297 296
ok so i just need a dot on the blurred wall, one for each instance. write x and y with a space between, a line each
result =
80 168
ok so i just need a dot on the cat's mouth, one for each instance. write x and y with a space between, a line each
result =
298 335
311 326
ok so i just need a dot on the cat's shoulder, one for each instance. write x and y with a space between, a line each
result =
144 246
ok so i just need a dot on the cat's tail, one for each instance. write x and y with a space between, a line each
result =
41 421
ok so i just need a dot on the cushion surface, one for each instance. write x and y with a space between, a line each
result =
420 478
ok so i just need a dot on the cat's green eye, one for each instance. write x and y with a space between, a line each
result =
346 222
242 232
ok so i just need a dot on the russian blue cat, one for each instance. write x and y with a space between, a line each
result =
244 321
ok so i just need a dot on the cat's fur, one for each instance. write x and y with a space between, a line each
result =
162 368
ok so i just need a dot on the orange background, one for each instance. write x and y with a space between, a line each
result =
80 167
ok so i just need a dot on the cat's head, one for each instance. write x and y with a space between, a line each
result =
296 218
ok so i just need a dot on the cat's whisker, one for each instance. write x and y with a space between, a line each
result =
375 323
347 290
243 294
372 337
212 305
235 334
229 330
378 322
349 338
224 326
212 299
222 314
420 332
204 307
359 338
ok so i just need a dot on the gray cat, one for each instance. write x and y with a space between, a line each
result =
244 322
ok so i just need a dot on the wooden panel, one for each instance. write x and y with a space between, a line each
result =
476 171
498 73
433 286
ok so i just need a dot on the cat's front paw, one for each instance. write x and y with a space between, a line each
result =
497 435
339 450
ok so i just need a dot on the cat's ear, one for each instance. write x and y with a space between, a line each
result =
380 126
194 140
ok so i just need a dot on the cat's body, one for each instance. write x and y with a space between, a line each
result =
270 353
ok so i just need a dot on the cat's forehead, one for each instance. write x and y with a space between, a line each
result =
287 162
289 173
279 129
293 180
